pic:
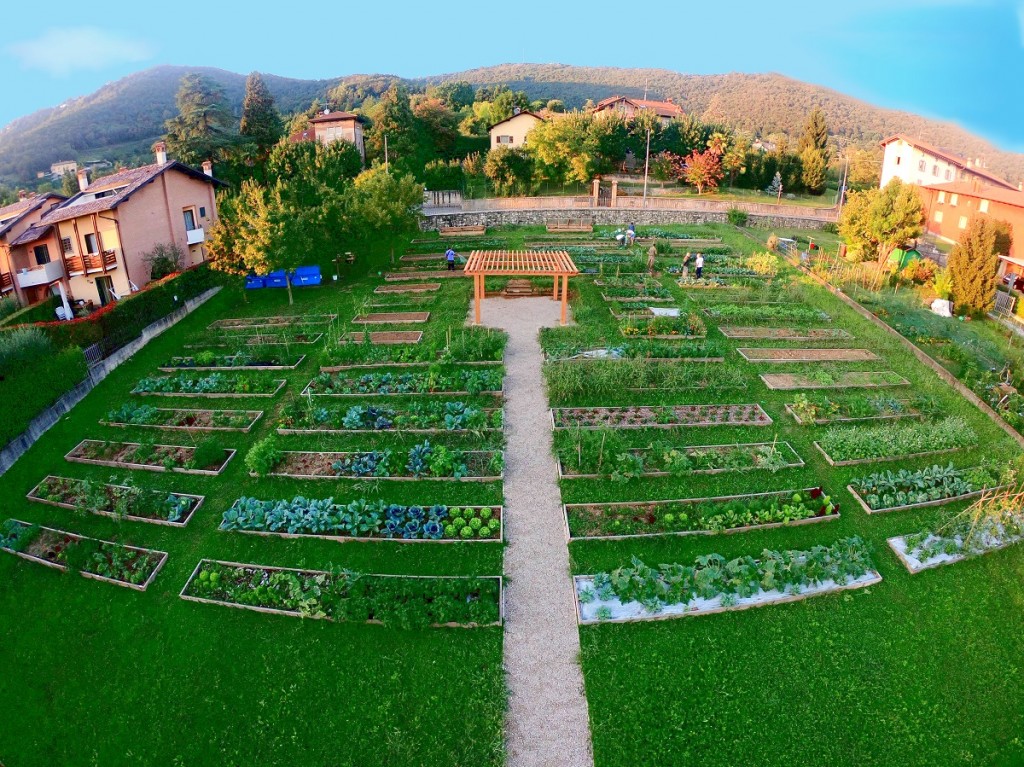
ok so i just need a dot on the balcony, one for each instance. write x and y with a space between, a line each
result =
6 283
43 275
195 236
92 263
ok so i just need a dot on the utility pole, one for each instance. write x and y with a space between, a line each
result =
779 200
647 164
842 187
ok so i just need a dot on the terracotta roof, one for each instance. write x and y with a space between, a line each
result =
524 112
335 117
21 208
661 108
33 233
302 135
990 193
127 182
951 158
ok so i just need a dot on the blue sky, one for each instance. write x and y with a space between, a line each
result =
958 60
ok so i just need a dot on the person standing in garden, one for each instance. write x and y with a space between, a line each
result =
699 265
449 256
652 253
631 234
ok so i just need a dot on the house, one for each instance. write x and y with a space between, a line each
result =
915 162
23 271
95 242
667 110
334 126
512 131
58 169
950 207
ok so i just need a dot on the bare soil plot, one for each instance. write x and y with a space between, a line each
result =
392 318
387 337
426 287
852 380
659 416
421 275
784 334
276 321
806 355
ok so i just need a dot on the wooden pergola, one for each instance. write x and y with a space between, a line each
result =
521 263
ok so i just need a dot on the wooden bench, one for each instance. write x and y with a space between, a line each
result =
463 231
570 225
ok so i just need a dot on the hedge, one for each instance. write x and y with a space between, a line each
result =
35 386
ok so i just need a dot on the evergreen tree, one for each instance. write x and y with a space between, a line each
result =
392 117
973 265
775 187
815 135
202 127
69 184
260 120
814 154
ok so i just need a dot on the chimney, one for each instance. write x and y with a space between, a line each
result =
208 168
22 194
83 179
160 150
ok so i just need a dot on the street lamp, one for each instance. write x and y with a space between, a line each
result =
647 164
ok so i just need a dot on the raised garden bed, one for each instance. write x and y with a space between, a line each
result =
392 318
213 386
639 297
894 442
767 354
934 485
769 312
386 337
422 275
232 362
183 419
404 600
961 539
133 455
428 287
276 321
379 384
820 409
430 417
420 257
713 585
665 328
463 231
93 558
364 520
784 334
848 380
698 516
688 459
640 349
704 283
117 501
270 339
659 416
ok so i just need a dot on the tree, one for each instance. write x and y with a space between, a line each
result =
164 259
879 220
509 170
855 226
814 154
815 135
260 120
703 170
973 265
69 184
202 127
455 93
382 202
505 103
312 169
865 168
565 149
734 161
555 105
392 117
775 188
1004 237
439 122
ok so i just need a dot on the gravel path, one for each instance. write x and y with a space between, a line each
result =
547 723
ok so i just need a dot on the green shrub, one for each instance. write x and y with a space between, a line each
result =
8 306
736 217
36 385
263 456
22 345
209 454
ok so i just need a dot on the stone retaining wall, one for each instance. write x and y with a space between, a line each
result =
611 217
42 422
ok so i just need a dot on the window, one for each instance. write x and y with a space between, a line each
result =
962 223
504 139
942 197
92 245
954 199
921 165
190 219
42 254
949 175
935 170
202 213
65 244
898 160
983 206
938 217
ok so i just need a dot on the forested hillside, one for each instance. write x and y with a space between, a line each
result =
119 121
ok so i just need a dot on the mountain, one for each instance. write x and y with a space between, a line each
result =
122 119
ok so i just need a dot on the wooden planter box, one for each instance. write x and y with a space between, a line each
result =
714 605
256 341
790 382
489 411
212 395
462 231
717 499
255 416
276 321
924 504
232 369
844 419
92 576
387 337
31 495
822 316
701 337
643 299
392 318
418 257
792 465
340 453
293 614
768 354
500 393
883 460
421 275
676 425
378 539
628 359
423 288
371 365
146 467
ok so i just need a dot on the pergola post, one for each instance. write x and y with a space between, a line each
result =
478 289
554 296
565 296
527 263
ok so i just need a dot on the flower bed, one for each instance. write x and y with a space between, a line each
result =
693 516
768 354
713 584
891 442
766 312
659 416
275 321
300 417
666 461
363 520
407 601
183 419
423 461
128 566
117 501
428 287
690 326
391 318
785 334
963 538
213 385
821 409
826 380
452 382
262 360
207 458
915 489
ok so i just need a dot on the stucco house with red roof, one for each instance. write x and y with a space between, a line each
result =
23 270
917 162
329 127
666 110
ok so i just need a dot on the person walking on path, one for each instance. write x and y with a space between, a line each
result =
699 265
652 253
449 256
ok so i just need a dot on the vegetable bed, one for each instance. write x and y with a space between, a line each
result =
427 287
117 501
209 460
391 318
183 419
423 462
915 489
784 334
239 361
960 540
770 313
690 326
213 385
275 321
453 382
891 442
299 417
806 355
848 380
659 416
822 409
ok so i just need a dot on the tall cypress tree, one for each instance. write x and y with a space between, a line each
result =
203 125
973 265
814 154
260 120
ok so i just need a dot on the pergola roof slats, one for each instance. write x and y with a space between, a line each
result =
524 263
